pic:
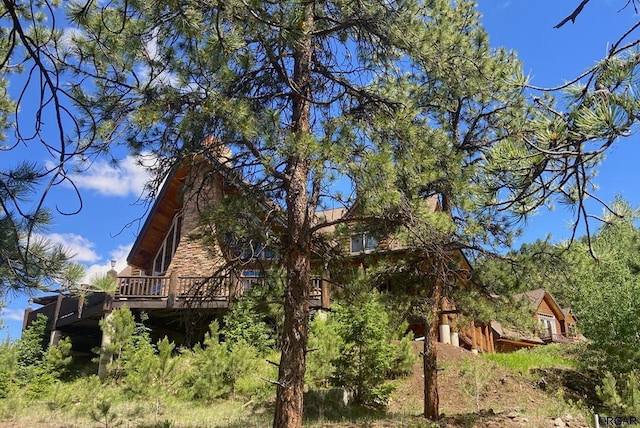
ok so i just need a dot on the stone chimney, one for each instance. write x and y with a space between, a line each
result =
216 148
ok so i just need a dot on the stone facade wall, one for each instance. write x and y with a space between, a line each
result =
195 256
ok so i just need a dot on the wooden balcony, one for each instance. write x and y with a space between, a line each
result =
142 286
154 294
176 289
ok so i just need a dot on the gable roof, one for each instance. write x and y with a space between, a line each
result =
568 312
536 297
170 200
159 219
514 335
329 216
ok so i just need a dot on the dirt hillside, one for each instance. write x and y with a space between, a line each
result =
503 399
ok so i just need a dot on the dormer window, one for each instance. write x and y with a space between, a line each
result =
168 248
363 242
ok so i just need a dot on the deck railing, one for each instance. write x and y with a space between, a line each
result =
142 286
204 287
316 288
548 335
191 286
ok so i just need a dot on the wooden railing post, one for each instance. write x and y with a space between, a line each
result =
173 285
25 319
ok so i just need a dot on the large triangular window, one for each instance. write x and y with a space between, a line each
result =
168 248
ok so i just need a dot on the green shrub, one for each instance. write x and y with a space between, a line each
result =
120 327
203 378
476 375
140 363
243 323
30 349
8 366
103 411
240 362
58 359
623 399
402 358
256 383
323 350
365 352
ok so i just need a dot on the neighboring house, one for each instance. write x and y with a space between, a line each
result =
555 325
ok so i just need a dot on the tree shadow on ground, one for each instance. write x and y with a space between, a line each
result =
329 406
255 415
578 386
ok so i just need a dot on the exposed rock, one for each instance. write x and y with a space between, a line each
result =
559 423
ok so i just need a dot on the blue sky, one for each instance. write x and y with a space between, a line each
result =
550 57
106 227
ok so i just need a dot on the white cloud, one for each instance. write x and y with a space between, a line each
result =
99 269
12 314
128 177
78 246
157 76
67 44
83 252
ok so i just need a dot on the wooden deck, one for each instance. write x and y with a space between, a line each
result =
190 287
153 293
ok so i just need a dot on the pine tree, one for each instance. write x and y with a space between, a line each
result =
37 113
372 105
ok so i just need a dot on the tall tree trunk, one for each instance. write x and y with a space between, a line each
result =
432 323
289 397
430 352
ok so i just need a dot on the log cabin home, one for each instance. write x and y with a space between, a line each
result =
554 325
183 282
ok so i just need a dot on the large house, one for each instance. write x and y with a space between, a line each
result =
183 282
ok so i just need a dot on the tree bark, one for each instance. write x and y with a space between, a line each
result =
430 353
431 328
290 390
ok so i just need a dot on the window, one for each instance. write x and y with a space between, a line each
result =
168 248
548 323
363 242
257 250
249 278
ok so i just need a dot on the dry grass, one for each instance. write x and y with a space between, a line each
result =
507 400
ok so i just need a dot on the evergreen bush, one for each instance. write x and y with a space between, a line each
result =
323 349
402 358
204 379
365 352
623 399
244 323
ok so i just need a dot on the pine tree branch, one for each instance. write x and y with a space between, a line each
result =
572 17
